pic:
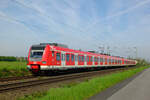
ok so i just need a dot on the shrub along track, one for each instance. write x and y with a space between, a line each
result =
53 79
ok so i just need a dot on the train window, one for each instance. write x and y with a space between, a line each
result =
91 59
87 58
111 60
53 53
72 57
58 56
95 59
36 54
75 57
79 58
62 57
101 59
107 60
67 57
82 58
98 59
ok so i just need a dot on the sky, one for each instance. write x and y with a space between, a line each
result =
121 27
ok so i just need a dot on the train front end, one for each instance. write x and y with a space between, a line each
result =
37 57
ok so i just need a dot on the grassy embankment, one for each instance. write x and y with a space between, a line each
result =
83 90
14 68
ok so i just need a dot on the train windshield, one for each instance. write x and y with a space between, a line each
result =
36 54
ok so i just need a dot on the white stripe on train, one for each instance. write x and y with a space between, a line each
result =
71 67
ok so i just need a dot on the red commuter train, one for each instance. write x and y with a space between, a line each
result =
54 56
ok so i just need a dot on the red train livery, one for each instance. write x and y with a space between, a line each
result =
53 56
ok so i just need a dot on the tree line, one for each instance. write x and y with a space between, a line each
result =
12 58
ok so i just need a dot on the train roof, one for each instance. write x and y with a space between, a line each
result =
63 47
83 52
55 44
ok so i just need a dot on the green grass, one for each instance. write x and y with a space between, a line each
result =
83 90
9 69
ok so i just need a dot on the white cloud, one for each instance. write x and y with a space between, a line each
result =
77 23
7 18
138 5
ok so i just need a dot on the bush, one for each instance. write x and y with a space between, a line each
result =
7 58
142 62
12 58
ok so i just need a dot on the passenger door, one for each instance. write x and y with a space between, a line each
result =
53 58
63 59
58 58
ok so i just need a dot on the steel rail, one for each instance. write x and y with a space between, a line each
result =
16 78
18 85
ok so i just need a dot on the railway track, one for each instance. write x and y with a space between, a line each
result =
53 79
16 78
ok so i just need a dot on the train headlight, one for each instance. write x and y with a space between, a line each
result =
43 62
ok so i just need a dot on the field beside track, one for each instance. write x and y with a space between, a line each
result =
86 89
13 68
